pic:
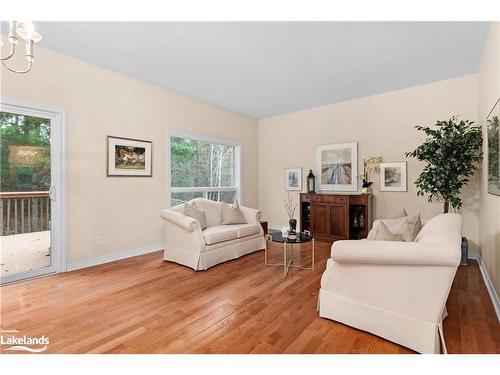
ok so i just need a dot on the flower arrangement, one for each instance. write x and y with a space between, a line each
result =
370 165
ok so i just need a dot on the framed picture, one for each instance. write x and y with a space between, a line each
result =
293 179
393 176
128 157
494 150
338 166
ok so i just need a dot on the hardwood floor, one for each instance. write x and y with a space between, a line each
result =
145 305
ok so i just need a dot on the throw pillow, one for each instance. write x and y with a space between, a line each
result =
415 227
192 210
402 213
232 214
399 227
382 233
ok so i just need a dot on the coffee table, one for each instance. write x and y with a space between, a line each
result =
302 237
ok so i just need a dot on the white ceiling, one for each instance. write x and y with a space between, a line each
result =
268 68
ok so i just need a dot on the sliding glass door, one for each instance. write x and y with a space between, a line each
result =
30 151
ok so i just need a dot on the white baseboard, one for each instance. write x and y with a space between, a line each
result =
487 281
113 257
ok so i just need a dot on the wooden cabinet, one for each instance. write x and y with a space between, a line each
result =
332 217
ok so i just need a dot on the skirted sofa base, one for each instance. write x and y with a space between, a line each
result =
202 261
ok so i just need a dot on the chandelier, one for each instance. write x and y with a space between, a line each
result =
25 31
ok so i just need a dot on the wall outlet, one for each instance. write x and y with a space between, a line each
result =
99 240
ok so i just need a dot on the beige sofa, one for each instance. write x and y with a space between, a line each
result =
187 244
395 290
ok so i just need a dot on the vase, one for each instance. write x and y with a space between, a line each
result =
293 225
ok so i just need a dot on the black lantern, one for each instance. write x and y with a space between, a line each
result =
311 182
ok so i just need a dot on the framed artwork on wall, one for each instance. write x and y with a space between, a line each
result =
393 176
338 166
494 150
128 157
293 179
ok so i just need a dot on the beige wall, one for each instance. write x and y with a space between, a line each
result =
99 102
382 125
488 94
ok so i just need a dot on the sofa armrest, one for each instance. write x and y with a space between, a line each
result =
395 253
185 222
252 215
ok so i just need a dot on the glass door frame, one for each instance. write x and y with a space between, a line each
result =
57 117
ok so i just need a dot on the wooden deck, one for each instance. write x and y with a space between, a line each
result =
145 305
24 252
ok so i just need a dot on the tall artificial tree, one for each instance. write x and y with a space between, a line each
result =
452 150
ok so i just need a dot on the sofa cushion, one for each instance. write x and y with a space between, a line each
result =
191 209
232 214
220 233
248 230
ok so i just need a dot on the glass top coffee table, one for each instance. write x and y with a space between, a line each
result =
301 238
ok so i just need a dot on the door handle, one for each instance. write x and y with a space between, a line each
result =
52 193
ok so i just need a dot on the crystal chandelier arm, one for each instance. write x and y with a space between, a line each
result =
26 70
12 51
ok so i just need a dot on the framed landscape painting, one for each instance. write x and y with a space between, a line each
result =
129 157
293 179
338 166
393 176
494 150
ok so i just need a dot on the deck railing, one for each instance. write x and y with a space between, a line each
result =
24 212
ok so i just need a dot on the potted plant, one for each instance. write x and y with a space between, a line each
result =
451 151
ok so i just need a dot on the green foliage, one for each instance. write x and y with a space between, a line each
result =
451 150
198 163
20 130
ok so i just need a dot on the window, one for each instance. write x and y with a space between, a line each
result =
201 167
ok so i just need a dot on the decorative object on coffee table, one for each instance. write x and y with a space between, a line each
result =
393 176
494 150
301 238
311 182
291 207
293 180
452 151
370 165
338 167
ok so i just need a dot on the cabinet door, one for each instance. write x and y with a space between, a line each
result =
339 221
320 219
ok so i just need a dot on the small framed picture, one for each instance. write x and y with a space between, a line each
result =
293 179
128 157
393 176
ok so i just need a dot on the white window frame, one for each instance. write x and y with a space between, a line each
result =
58 230
200 137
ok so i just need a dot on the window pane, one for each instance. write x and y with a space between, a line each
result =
181 198
24 153
197 163
222 196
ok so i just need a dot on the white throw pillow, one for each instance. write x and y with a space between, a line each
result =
232 214
383 234
194 211
398 227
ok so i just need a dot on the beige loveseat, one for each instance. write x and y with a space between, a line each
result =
396 290
186 243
